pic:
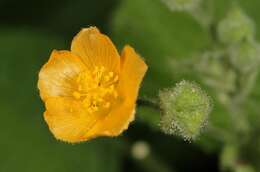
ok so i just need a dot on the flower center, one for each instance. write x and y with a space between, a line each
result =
96 89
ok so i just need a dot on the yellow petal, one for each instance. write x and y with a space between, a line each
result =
56 77
95 49
67 120
115 122
133 70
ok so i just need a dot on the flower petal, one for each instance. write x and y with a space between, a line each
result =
56 77
133 70
95 49
115 122
67 120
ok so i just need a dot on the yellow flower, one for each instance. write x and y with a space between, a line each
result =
90 91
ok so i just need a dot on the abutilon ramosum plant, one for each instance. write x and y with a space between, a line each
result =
229 68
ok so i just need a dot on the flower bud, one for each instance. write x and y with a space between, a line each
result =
185 110
245 56
182 5
235 27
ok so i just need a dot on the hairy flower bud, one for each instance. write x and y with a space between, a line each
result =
245 56
185 110
235 27
181 5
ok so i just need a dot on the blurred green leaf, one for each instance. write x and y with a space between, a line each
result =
159 35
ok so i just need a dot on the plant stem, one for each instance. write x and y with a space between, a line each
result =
148 102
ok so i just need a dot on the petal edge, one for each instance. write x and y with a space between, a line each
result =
56 76
95 49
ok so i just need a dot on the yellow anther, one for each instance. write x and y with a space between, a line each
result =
95 108
95 69
107 78
115 78
86 102
111 74
100 100
90 110
96 88
107 105
102 68
112 87
76 94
